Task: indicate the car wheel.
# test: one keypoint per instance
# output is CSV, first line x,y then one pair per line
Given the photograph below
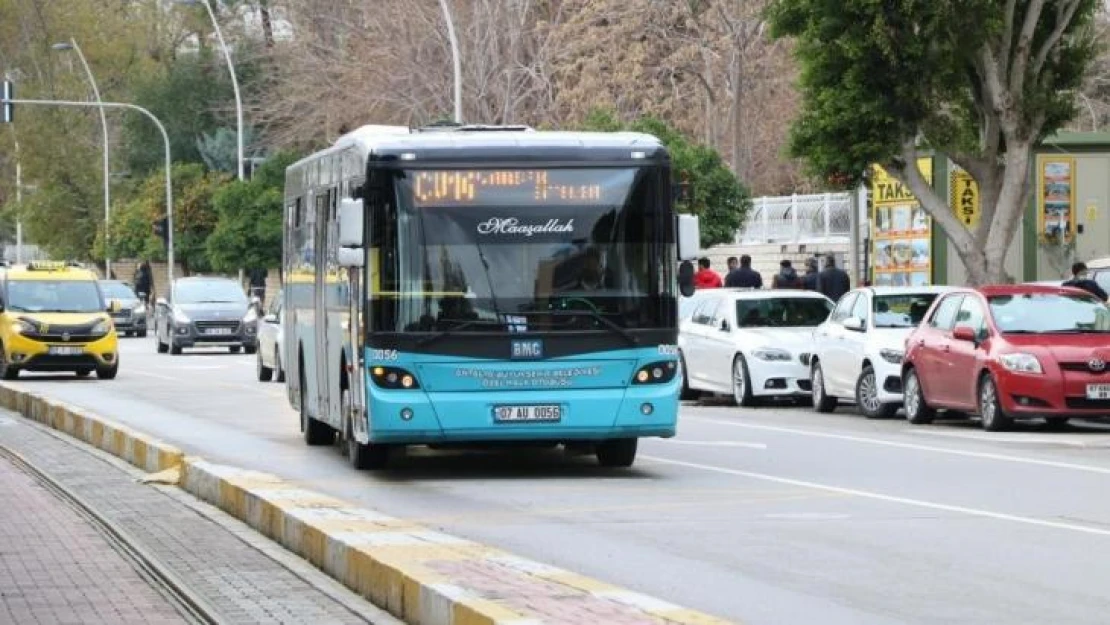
x,y
175,349
316,433
913,399
1056,423
83,373
687,392
822,401
741,383
250,349
277,366
361,456
867,396
264,373
141,334
109,372
161,347
128,334
990,408
617,453
235,349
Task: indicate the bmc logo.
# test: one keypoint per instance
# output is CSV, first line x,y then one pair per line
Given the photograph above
x,y
529,350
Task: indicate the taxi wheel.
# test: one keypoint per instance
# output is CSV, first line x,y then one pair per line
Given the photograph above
x,y
7,371
82,373
107,373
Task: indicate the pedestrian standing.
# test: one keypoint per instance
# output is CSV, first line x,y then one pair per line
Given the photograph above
x,y
833,282
258,284
706,278
811,280
744,277
787,277
144,282
733,265
1081,280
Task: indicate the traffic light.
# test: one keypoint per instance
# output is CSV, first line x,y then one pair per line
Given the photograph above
x,y
161,230
7,115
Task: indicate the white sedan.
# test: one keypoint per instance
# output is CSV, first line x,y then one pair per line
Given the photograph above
x,y
271,344
857,353
751,344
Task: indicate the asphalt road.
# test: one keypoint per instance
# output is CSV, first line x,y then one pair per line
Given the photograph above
x,y
768,515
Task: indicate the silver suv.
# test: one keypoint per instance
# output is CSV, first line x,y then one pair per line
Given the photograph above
x,y
206,312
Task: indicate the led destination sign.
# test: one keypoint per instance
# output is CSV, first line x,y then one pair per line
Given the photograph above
x,y
519,187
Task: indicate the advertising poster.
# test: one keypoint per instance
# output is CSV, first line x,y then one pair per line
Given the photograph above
x,y
901,231
1056,197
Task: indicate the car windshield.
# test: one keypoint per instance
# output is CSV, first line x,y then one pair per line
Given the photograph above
x,y
208,292
117,290
1049,313
782,312
904,310
73,296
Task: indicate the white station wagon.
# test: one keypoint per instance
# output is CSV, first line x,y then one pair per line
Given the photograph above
x,y
751,344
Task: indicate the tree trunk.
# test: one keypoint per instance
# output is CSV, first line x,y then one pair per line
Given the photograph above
x,y
267,23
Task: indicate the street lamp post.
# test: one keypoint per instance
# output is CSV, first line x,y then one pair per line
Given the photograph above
x,y
234,80
72,45
456,61
165,142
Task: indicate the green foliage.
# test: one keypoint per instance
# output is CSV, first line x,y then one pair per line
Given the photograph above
x,y
719,199
194,218
249,231
877,74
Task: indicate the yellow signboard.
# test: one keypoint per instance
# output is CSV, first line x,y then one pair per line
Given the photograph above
x,y
963,198
901,231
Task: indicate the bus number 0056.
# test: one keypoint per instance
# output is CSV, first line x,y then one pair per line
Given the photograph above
x,y
383,354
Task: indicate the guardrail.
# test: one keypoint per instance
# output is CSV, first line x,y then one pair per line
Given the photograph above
x,y
821,217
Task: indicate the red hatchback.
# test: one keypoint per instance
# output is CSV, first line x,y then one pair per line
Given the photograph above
x,y
1010,352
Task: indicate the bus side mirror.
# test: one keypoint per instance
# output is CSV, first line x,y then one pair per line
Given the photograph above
x,y
350,256
350,222
686,278
689,237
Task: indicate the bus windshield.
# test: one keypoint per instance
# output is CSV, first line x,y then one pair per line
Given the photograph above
x,y
481,248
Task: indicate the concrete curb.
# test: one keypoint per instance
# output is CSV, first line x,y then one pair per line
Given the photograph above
x,y
419,575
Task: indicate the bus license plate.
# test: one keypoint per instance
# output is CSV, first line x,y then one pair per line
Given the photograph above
x,y
65,350
1098,391
511,414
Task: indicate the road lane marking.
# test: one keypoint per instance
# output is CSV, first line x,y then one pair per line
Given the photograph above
x,y
675,441
919,503
1096,440
940,450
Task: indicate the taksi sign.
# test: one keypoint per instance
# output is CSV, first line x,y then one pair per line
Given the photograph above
x,y
963,198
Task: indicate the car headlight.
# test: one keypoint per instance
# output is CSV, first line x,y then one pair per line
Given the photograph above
x,y
1021,362
893,356
771,354
23,327
102,327
179,316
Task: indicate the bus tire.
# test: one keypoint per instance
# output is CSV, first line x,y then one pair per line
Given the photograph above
x,y
316,433
361,456
620,452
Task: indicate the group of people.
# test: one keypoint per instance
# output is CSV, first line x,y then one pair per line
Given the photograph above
x,y
832,281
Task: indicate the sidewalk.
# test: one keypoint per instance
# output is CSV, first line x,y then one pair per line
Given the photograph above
x,y
57,567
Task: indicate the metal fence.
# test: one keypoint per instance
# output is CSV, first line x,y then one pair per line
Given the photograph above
x,y
818,218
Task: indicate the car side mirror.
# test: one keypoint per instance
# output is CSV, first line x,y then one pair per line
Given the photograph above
x,y
724,326
854,324
965,333
686,278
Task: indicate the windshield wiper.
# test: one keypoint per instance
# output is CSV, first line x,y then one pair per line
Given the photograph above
x,y
616,329
463,324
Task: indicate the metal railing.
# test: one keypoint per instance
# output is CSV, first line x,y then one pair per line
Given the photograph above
x,y
817,218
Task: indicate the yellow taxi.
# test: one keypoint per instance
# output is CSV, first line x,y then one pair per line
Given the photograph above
x,y
54,317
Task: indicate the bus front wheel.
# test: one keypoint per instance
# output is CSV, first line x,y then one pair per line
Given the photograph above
x,y
617,453
361,456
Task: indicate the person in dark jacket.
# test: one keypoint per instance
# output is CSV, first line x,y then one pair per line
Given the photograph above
x,y
810,280
787,277
258,283
744,277
144,282
1080,280
833,282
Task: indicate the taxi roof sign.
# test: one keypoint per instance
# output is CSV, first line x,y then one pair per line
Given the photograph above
x,y
52,265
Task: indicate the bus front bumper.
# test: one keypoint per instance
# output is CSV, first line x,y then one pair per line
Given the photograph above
x,y
418,417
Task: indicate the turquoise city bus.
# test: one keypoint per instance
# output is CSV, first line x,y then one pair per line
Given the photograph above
x,y
484,285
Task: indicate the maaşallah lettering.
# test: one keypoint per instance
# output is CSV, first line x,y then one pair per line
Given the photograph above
x,y
512,225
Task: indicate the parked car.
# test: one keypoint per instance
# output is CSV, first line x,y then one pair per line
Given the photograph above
x,y
205,312
271,343
751,344
130,319
1010,352
857,352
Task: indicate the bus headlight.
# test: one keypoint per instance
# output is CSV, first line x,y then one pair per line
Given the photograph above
x,y
393,377
656,372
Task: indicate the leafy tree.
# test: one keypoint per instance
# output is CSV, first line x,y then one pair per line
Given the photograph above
x,y
719,199
194,218
981,81
249,228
